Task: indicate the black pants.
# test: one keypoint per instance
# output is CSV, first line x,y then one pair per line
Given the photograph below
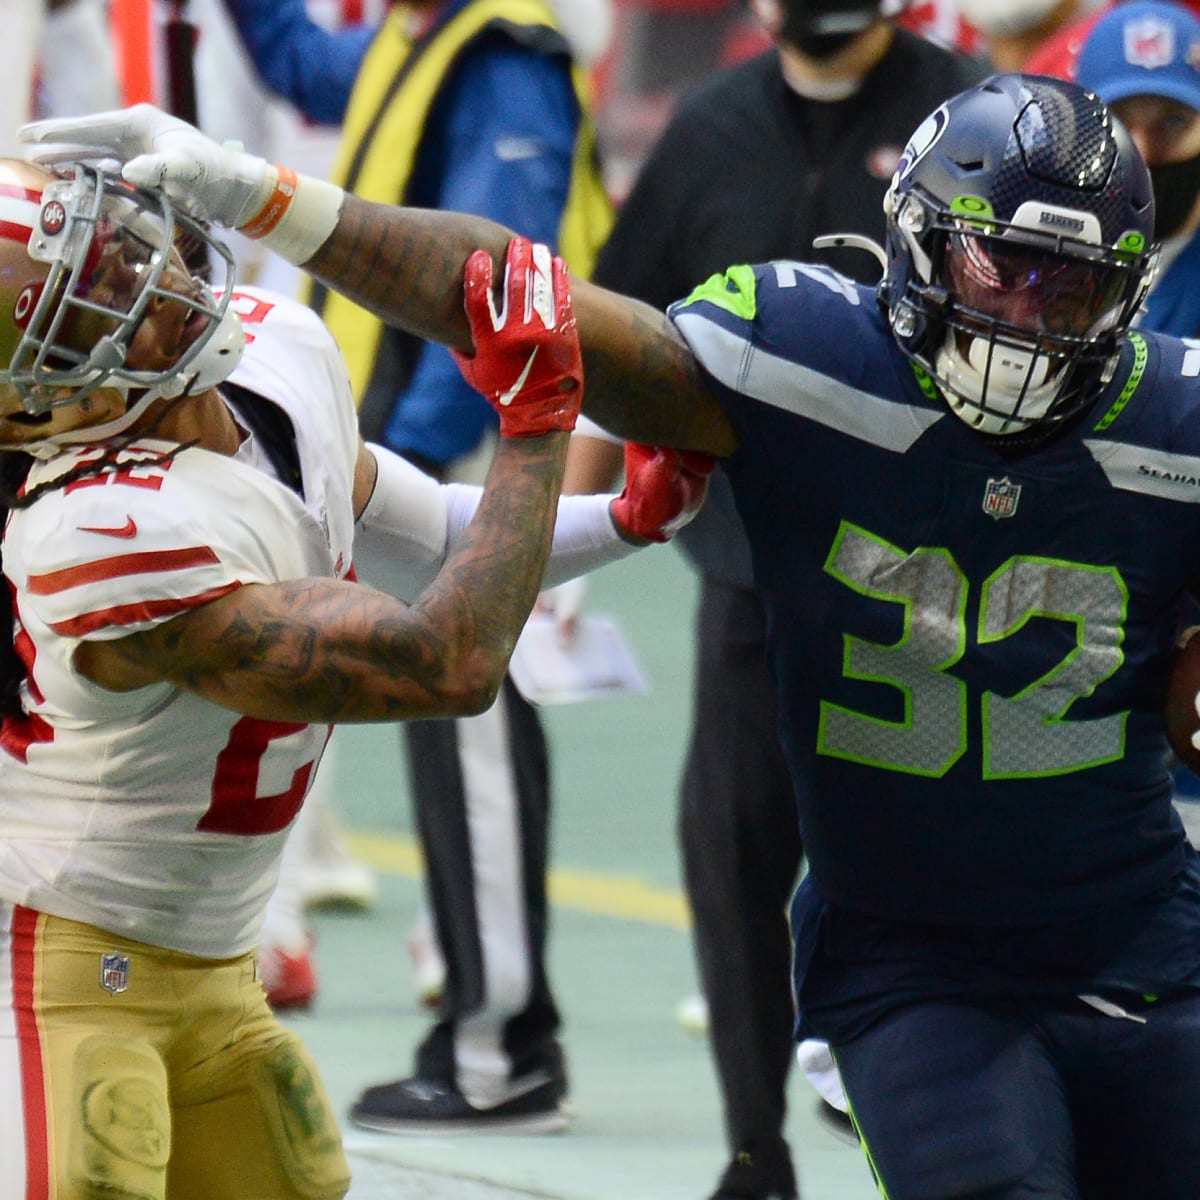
x,y
482,794
1030,1101
742,855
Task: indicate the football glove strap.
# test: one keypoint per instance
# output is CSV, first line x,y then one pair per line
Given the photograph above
x,y
664,490
527,361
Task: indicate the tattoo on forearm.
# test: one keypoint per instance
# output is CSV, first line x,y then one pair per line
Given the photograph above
x,y
390,262
327,650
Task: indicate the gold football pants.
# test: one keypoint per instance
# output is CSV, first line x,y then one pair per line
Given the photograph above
x,y
134,1073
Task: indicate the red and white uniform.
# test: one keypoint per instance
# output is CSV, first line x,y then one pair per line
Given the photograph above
x,y
154,813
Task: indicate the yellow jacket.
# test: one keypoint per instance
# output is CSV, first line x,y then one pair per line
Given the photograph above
x,y
396,86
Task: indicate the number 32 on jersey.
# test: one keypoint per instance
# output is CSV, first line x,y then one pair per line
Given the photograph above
x,y
1025,735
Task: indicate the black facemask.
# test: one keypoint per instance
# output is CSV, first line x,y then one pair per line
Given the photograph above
x,y
1176,186
820,45
821,28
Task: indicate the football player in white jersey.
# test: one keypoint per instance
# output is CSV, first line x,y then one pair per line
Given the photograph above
x,y
184,486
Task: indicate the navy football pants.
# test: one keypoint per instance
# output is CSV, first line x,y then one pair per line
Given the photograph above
x,y
1059,1103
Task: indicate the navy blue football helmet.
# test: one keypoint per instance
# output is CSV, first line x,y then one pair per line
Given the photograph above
x,y
1019,247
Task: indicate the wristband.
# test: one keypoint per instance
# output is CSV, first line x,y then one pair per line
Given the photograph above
x,y
297,217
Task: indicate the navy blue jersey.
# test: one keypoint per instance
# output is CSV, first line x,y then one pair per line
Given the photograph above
x,y
970,645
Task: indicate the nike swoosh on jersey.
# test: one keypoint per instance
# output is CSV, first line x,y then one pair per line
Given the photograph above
x,y
506,398
128,530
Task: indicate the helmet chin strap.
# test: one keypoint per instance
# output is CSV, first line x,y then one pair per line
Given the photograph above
x,y
96,433
1015,376
213,365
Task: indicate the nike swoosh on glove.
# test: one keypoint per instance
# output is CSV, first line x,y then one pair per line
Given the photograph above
x,y
527,361
664,489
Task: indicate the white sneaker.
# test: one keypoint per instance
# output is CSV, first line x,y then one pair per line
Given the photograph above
x,y
692,1015
319,866
330,875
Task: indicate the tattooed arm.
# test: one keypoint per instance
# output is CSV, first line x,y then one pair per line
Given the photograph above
x,y
643,383
403,264
328,650
324,650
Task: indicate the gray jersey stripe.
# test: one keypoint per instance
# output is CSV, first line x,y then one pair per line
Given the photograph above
x,y
1151,472
801,390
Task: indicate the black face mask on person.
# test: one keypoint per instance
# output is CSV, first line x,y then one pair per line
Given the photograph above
x,y
1176,187
819,45
817,28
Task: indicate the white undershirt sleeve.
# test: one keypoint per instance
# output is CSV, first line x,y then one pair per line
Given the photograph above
x,y
400,537
411,523
585,537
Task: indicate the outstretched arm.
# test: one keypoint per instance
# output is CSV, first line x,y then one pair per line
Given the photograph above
x,y
327,650
405,265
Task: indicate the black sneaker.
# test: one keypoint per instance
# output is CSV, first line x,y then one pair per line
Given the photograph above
x,y
751,1177
431,1106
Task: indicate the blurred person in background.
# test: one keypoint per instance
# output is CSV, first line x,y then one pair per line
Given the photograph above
x,y
759,161
1143,60
56,59
476,105
1011,30
1058,54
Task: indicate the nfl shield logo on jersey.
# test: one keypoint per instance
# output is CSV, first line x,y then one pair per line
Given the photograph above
x,y
114,973
1000,497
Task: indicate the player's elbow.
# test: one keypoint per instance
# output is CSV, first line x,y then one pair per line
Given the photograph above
x,y
473,685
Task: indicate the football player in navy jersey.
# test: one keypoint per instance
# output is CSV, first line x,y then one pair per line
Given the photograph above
x,y
972,499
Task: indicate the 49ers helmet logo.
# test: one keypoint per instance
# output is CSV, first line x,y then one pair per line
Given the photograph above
x,y
53,217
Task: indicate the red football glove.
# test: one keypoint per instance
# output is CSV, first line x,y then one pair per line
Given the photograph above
x,y
527,361
664,489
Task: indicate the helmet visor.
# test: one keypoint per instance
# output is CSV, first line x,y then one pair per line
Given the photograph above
x,y
1034,291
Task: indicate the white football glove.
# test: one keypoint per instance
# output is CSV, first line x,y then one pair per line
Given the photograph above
x,y
218,183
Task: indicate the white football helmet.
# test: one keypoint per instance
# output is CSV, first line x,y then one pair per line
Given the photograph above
x,y
99,314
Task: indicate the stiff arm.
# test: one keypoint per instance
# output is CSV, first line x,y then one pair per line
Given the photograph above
x,y
643,383
405,265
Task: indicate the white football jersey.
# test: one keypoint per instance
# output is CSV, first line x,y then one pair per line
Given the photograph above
x,y
153,812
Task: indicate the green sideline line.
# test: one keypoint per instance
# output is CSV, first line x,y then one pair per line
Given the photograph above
x,y
623,897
